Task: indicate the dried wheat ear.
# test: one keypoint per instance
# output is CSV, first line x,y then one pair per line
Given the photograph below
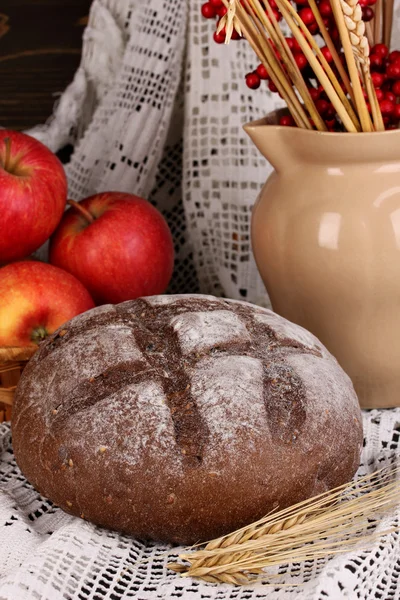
x,y
334,522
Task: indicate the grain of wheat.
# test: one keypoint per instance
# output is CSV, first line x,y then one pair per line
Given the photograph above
x,y
254,532
356,27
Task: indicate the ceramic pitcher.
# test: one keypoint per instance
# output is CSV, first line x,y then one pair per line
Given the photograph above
x,y
326,239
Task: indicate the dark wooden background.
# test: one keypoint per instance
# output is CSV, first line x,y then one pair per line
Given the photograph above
x,y
40,45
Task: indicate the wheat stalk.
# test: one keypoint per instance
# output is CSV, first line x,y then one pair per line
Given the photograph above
x,y
261,44
387,21
332,49
369,33
256,31
360,46
377,22
268,20
348,17
330,523
260,28
309,47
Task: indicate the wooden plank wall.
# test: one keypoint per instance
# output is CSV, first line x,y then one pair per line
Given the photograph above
x,y
40,45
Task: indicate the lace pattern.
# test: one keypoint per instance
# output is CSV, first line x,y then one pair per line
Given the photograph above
x,y
47,554
156,108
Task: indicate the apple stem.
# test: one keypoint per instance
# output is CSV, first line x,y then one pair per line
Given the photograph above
x,y
39,334
83,211
7,159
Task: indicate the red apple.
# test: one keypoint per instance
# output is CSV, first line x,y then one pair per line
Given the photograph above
x,y
36,299
118,245
33,194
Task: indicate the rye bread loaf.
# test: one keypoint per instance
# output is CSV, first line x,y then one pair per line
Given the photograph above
x,y
181,418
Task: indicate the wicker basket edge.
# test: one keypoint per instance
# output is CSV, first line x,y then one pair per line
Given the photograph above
x,y
13,353
12,363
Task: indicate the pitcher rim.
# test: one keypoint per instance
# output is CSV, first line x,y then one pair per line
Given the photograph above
x,y
300,131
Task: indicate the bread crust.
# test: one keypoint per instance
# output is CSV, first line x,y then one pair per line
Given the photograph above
x,y
181,418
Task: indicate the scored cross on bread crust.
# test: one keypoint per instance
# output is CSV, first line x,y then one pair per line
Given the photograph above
x,y
183,417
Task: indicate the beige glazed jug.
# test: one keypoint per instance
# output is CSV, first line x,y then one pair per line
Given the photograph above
x,y
326,238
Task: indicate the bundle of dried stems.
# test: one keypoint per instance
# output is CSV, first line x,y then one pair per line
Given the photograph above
x,y
255,20
333,522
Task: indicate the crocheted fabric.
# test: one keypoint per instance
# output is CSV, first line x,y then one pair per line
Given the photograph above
x,y
48,555
156,108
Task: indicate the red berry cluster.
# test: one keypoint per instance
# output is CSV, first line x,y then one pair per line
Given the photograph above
x,y
215,9
385,74
385,66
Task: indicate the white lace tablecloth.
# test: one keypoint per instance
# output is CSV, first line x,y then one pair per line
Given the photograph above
x,y
156,108
46,554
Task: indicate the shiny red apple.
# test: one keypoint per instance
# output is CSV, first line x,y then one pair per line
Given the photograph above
x,y
118,245
33,194
36,299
